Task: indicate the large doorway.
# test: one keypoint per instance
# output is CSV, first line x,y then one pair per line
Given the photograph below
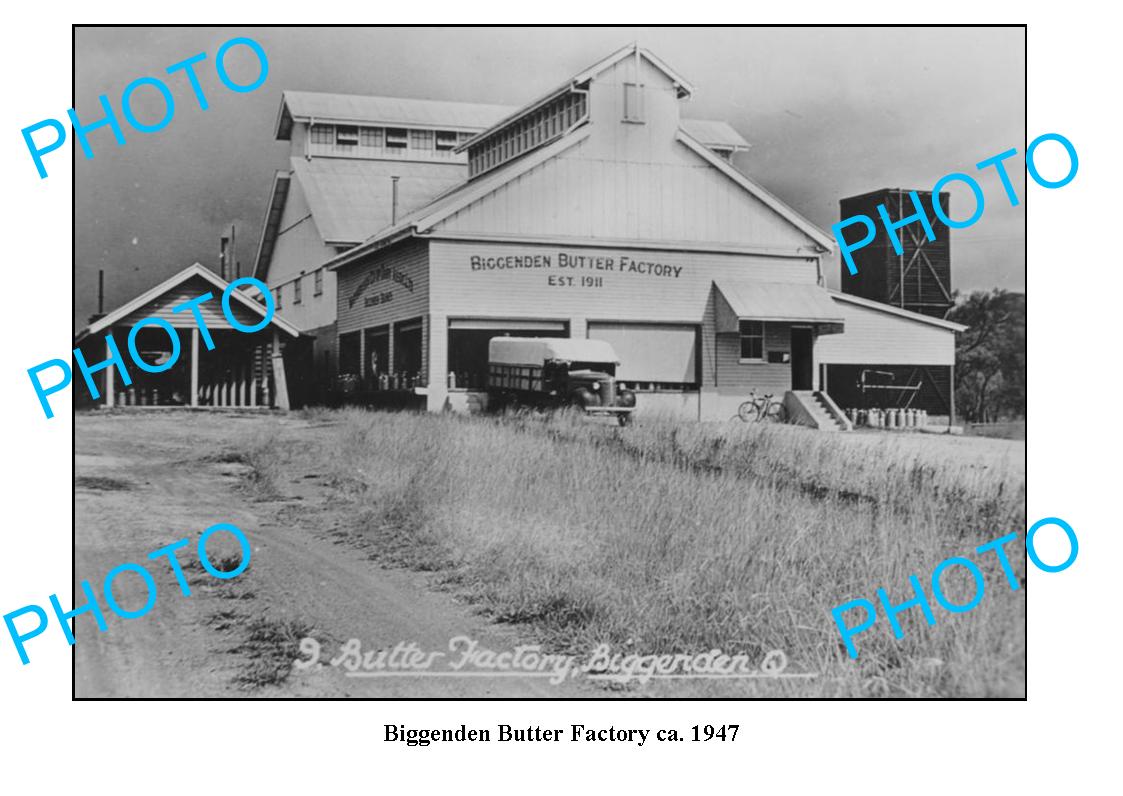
x,y
407,352
376,344
468,343
653,356
802,370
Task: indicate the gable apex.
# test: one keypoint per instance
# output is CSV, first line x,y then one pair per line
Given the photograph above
x,y
683,88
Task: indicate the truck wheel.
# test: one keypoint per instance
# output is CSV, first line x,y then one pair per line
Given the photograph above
x,y
624,419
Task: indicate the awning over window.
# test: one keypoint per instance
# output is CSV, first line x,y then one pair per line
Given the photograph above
x,y
775,302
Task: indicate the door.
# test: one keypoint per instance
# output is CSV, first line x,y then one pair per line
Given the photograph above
x,y
652,352
801,359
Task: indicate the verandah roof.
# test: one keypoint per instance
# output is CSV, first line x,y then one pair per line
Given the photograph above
x,y
746,299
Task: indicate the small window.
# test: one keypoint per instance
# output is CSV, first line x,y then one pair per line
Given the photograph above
x,y
445,141
297,289
278,291
370,136
462,137
346,135
421,139
633,102
318,282
752,339
323,133
396,138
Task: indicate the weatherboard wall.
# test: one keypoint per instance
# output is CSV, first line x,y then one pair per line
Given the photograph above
x,y
299,248
625,287
880,337
613,293
401,270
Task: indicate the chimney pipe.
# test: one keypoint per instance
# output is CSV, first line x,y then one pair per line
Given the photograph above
x,y
100,291
234,253
393,201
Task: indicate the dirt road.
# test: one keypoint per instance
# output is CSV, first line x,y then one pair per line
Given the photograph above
x,y
143,481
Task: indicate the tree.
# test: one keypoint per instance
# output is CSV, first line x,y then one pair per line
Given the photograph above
x,y
990,356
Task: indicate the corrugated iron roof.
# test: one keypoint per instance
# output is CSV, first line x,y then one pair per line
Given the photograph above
x,y
713,133
838,295
462,194
779,301
401,111
194,270
351,199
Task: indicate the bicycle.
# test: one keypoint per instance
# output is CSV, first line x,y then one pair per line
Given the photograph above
x,y
763,407
776,412
750,410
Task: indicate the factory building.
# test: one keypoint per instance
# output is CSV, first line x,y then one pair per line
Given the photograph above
x,y
355,164
406,234
598,211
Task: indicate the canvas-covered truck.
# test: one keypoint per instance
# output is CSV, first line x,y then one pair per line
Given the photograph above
x,y
557,372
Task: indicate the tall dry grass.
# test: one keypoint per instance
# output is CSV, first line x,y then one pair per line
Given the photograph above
x,y
666,537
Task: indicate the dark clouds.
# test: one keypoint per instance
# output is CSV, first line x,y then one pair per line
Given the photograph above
x,y
830,112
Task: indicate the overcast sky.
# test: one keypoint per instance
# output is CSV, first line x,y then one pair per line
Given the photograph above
x,y
829,112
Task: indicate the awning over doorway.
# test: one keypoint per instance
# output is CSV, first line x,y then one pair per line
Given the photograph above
x,y
775,302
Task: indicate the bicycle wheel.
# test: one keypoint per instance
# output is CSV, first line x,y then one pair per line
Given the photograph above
x,y
778,413
748,411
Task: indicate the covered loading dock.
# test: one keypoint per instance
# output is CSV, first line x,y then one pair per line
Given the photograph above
x,y
243,370
890,351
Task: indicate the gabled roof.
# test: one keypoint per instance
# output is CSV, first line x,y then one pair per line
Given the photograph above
x,y
714,134
682,87
812,231
424,218
898,311
352,199
392,111
458,198
169,284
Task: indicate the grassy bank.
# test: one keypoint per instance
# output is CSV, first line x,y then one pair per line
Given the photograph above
x,y
667,537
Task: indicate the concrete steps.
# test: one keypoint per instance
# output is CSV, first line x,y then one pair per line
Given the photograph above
x,y
816,410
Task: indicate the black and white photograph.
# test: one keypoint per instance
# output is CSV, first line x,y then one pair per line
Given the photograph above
x,y
495,397
550,363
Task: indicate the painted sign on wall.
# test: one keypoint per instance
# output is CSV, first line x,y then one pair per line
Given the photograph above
x,y
566,261
381,274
